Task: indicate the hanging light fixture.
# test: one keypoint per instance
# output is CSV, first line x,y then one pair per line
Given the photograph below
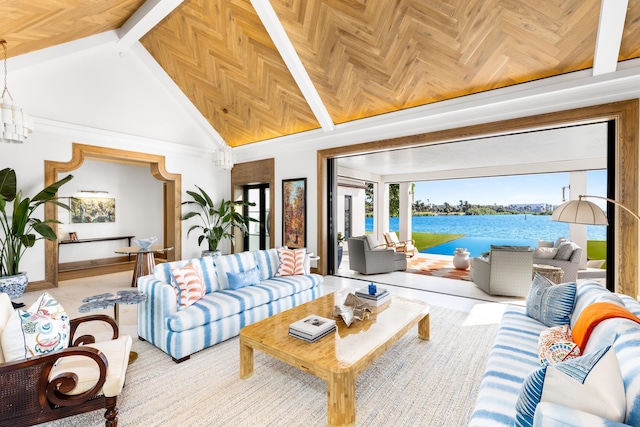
x,y
15,124
224,157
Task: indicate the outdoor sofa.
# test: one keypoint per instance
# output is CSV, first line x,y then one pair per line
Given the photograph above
x,y
220,314
517,390
563,253
506,271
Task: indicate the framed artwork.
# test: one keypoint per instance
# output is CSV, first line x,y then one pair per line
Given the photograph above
x,y
294,213
92,209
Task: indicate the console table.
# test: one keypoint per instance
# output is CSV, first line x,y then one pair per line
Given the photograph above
x,y
96,239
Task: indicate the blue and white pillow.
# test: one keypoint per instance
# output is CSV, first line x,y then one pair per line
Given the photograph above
x,y
549,303
245,278
591,383
235,263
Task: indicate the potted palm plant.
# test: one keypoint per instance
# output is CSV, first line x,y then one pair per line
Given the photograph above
x,y
216,222
20,230
340,239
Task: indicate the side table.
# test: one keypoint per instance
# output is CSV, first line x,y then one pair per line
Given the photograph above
x,y
144,260
102,301
549,271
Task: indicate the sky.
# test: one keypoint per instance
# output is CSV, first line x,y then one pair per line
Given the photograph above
x,y
521,189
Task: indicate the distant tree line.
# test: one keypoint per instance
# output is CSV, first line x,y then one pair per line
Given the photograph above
x,y
462,208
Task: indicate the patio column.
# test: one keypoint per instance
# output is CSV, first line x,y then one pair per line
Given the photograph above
x,y
578,232
405,211
382,211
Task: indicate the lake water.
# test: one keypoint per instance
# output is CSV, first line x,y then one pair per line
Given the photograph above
x,y
482,231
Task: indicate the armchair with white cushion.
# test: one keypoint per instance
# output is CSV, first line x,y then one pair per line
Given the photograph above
x,y
51,383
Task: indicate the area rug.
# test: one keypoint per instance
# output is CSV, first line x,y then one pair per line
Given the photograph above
x,y
415,383
438,267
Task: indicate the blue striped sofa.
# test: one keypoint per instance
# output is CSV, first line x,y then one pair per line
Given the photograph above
x,y
515,355
222,312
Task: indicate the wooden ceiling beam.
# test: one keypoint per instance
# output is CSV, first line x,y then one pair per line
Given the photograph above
x,y
282,42
144,19
610,27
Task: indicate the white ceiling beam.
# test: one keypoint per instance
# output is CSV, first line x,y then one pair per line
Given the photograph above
x,y
610,27
144,19
292,60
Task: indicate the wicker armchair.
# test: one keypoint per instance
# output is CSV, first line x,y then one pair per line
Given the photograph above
x,y
507,272
85,377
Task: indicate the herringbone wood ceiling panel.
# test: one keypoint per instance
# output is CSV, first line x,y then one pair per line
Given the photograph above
x,y
220,55
31,25
373,57
630,46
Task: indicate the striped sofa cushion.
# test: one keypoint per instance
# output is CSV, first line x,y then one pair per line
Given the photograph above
x,y
589,292
513,356
235,263
225,303
268,263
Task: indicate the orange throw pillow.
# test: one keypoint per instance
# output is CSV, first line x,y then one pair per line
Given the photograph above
x,y
594,314
291,261
190,286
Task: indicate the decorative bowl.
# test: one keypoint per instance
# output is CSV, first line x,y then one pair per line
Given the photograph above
x,y
145,244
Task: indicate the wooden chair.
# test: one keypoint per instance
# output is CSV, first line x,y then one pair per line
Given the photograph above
x,y
84,377
406,246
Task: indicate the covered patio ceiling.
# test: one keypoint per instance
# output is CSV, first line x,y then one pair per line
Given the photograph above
x,y
543,151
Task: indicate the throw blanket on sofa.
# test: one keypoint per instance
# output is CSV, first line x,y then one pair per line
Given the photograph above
x,y
594,314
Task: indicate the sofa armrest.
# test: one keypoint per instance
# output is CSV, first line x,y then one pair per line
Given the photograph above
x,y
554,415
161,303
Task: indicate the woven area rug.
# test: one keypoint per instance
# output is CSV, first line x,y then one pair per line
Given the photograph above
x,y
438,267
415,383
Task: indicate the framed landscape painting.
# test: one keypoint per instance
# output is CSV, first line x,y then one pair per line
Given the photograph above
x,y
294,213
92,209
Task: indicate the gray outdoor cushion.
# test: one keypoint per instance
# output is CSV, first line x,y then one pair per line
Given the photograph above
x,y
565,250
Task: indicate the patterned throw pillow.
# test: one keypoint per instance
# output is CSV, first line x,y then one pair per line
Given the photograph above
x,y
41,329
188,284
556,345
549,303
245,278
291,261
591,383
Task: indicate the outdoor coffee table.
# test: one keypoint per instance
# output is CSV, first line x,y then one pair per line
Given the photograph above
x,y
342,355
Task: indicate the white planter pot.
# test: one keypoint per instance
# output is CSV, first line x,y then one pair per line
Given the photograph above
x,y
14,286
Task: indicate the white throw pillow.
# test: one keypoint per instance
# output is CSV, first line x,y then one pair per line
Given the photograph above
x,y
545,244
372,241
545,252
591,383
41,329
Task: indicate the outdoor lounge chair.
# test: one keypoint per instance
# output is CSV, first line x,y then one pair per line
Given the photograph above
x,y
406,246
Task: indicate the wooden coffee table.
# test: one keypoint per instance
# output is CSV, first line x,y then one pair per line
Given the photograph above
x,y
342,355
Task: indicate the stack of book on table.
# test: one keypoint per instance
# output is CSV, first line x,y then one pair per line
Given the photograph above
x,y
312,328
380,297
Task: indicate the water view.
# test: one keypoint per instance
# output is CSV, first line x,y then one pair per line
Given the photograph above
x,y
482,231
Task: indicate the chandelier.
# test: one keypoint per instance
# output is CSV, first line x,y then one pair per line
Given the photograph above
x,y
15,124
223,158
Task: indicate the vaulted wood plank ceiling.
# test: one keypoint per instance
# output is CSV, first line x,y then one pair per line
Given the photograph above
x,y
362,58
